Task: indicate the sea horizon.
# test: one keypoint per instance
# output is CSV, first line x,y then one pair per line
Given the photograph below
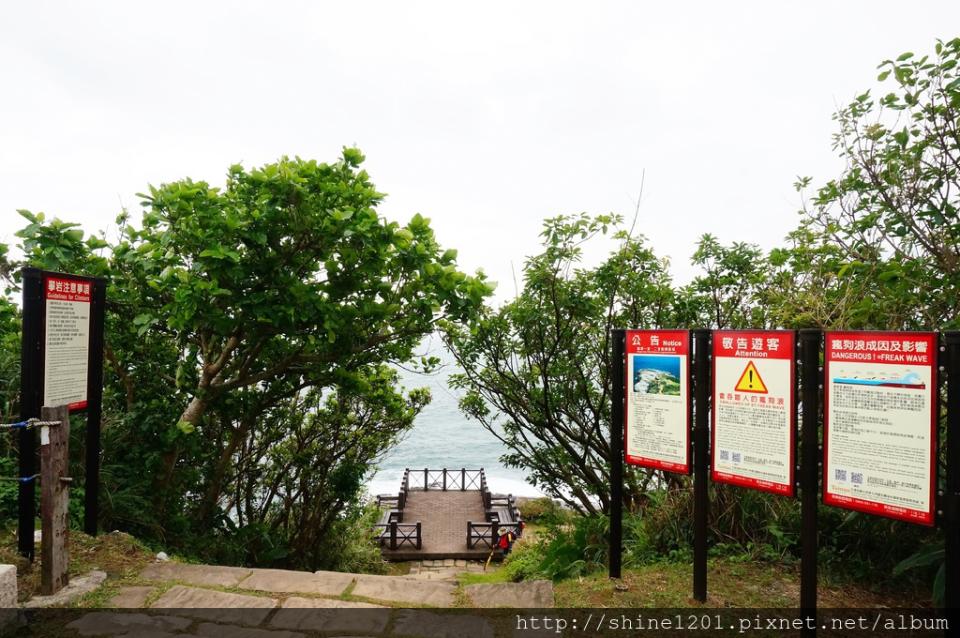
x,y
442,437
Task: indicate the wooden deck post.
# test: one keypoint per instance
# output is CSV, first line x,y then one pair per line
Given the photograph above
x,y
419,542
444,479
463,479
54,500
393,534
426,479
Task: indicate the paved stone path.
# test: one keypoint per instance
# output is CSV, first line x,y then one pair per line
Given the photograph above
x,y
271,603
443,517
537,594
443,568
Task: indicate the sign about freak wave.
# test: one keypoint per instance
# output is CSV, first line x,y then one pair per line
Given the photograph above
x,y
66,342
754,419
657,428
880,423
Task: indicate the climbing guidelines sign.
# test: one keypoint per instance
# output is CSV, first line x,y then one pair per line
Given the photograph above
x,y
754,415
657,415
880,423
66,342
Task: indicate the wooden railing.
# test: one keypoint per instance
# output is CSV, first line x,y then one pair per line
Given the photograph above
x,y
481,535
391,501
394,534
445,480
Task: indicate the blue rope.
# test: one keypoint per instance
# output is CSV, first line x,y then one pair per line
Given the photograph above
x,y
29,423
20,479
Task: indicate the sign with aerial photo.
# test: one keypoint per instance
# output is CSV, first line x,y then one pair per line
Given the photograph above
x,y
754,418
880,423
66,343
657,428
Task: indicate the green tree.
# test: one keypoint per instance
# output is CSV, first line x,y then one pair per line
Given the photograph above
x,y
536,371
248,332
730,291
893,212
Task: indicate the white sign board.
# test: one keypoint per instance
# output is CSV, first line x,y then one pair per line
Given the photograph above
x,y
754,419
66,343
657,428
880,423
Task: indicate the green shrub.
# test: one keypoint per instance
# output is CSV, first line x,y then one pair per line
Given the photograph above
x,y
576,549
352,547
543,509
8,491
523,563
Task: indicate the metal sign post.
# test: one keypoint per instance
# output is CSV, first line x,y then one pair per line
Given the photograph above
x,y
701,460
617,372
951,500
31,381
809,472
91,503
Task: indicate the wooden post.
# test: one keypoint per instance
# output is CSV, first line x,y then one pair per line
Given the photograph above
x,y
419,535
393,534
444,479
463,479
54,500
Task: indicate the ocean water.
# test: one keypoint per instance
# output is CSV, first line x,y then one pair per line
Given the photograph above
x,y
443,437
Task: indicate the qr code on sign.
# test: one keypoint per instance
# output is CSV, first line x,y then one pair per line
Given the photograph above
x,y
840,475
736,457
856,477
724,455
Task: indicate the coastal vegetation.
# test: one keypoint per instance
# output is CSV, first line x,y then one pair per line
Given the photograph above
x,y
253,330
877,247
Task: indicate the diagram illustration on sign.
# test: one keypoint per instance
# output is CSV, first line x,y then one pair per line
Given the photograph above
x,y
657,416
880,421
750,380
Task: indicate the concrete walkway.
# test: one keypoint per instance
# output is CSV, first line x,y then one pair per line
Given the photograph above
x,y
190,600
433,584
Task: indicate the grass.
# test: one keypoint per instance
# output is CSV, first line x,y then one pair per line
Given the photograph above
x,y
730,583
120,555
494,574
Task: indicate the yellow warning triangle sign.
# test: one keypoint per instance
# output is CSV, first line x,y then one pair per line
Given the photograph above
x,y
750,380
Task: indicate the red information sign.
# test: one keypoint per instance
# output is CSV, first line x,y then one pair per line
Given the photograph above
x,y
657,415
880,423
66,343
754,419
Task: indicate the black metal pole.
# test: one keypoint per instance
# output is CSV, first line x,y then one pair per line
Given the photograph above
x,y
91,506
701,459
617,380
809,473
951,500
31,397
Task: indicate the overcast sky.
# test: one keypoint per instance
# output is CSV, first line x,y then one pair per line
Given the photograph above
x,y
485,117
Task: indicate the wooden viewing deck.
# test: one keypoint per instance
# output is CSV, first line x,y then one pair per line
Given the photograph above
x,y
448,513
